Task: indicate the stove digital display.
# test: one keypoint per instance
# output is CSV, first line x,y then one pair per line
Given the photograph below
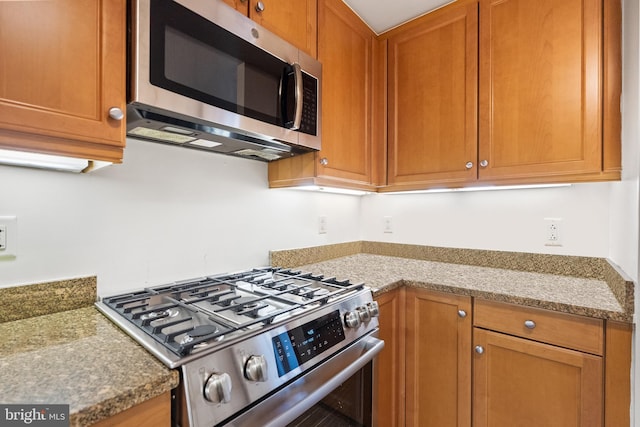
x,y
297,346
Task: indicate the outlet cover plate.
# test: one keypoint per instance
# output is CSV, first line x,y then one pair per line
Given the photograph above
x,y
9,240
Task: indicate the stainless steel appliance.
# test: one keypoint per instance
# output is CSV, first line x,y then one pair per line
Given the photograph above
x,y
267,346
203,76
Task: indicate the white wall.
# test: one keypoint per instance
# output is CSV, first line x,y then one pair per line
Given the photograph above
x,y
506,220
166,213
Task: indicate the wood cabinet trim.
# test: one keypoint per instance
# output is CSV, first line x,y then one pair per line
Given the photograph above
x,y
617,386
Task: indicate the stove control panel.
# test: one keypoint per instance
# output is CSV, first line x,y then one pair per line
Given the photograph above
x,y
296,346
361,314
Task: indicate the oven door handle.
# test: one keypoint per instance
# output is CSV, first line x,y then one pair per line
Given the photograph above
x,y
302,394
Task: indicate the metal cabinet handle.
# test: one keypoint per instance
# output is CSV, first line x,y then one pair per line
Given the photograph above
x,y
530,324
479,349
462,313
116,113
259,7
469,165
324,161
484,163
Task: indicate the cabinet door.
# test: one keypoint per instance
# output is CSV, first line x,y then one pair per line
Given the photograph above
x,y
518,382
62,68
293,20
438,359
432,65
345,48
540,88
389,365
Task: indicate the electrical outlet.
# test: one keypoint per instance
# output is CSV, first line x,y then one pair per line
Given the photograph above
x,y
3,238
387,224
322,224
8,236
553,231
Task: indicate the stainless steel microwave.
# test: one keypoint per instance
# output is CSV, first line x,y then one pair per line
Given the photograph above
x,y
204,76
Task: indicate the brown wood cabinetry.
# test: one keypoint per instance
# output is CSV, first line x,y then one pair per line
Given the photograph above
x,y
62,69
155,412
541,80
389,376
438,359
530,366
293,20
544,99
432,105
521,381
346,49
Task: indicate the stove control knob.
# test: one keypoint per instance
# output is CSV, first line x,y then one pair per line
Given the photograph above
x,y
218,388
363,314
256,369
351,319
374,311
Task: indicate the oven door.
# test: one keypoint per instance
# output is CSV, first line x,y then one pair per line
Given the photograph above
x,y
338,392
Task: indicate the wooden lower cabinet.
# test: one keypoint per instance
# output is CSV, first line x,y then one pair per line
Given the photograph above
x,y
388,404
520,382
438,359
448,363
155,412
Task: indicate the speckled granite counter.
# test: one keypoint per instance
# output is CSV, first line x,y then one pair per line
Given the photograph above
x,y
76,357
586,286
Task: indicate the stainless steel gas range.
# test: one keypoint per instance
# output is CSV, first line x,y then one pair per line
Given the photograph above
x,y
267,346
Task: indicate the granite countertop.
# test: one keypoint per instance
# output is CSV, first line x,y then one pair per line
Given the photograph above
x,y
80,358
589,287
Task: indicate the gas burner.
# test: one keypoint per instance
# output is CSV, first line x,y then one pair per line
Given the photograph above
x,y
160,314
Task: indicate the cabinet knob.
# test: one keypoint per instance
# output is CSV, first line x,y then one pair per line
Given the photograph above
x,y
469,165
259,7
116,114
479,349
530,324
484,163
324,161
462,313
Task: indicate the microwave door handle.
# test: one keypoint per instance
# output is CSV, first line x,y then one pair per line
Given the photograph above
x,y
297,120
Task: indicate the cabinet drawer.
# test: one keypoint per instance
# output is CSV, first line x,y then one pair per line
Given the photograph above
x,y
565,330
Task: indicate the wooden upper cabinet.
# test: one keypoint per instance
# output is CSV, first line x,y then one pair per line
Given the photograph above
x,y
293,20
541,89
432,105
62,69
517,92
346,49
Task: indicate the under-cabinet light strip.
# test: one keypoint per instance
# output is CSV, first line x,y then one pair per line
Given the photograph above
x,y
47,161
